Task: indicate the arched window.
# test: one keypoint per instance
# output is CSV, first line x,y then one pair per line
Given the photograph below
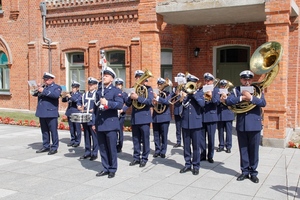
x,y
4,73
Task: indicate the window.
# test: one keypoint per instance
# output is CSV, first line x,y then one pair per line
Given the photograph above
x,y
4,73
234,55
0,4
76,70
116,60
167,65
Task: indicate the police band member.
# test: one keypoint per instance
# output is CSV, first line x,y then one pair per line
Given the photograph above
x,y
108,102
161,119
86,105
225,116
210,118
248,126
47,112
177,111
73,99
119,84
140,123
191,127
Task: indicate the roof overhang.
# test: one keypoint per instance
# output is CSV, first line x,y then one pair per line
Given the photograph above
x,y
208,12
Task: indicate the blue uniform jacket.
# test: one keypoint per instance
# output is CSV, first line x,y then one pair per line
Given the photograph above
x,y
251,120
48,100
125,108
224,113
210,108
107,119
142,116
88,97
72,103
177,105
192,110
166,115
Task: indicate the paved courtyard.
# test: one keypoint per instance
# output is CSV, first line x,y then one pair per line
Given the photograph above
x,y
27,175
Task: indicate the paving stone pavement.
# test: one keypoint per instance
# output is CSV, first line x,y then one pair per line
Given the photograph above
x,y
27,175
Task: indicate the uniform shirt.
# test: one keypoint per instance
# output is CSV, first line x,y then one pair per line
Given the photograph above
x,y
165,116
224,113
192,110
107,118
142,116
72,103
125,108
48,100
251,120
210,108
87,101
177,105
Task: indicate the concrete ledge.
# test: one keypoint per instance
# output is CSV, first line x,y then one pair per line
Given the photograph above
x,y
278,143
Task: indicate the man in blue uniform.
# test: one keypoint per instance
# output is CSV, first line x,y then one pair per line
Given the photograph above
x,y
226,116
161,119
178,111
86,105
108,101
210,118
73,99
140,123
248,126
119,84
47,111
191,127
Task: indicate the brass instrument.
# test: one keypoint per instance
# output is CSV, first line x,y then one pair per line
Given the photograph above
x,y
141,90
228,86
208,97
64,94
158,107
265,60
174,99
190,87
36,92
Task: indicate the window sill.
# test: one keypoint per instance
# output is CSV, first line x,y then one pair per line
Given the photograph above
x,y
1,12
5,93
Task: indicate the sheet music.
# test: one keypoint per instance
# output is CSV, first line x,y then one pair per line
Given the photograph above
x,y
208,88
180,80
225,91
250,89
32,83
128,90
63,88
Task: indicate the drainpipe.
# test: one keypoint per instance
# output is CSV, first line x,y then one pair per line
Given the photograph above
x,y
46,40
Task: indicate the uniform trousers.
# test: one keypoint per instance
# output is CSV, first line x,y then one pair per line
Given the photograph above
x,y
249,146
121,133
90,141
108,150
49,127
141,134
160,132
209,129
75,131
225,126
178,128
191,136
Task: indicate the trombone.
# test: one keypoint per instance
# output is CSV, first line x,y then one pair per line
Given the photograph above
x,y
178,91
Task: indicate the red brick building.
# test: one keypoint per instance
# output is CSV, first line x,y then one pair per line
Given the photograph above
x,y
157,35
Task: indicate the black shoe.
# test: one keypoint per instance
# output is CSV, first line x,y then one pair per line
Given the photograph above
x,y
155,155
220,149
119,150
84,157
202,159
134,162
51,152
75,145
93,158
70,144
254,179
195,171
210,160
228,151
185,169
242,177
162,155
42,150
102,173
111,175
142,164
177,145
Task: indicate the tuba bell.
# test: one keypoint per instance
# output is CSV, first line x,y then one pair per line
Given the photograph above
x,y
265,60
141,90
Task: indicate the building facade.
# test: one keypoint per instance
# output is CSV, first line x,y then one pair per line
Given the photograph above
x,y
65,36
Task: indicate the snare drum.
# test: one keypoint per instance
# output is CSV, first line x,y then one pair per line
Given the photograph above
x,y
81,117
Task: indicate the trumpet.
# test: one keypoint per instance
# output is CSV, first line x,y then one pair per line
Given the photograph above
x,y
178,91
36,92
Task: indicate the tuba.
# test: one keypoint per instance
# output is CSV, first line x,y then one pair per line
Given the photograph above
x,y
141,90
158,107
265,60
